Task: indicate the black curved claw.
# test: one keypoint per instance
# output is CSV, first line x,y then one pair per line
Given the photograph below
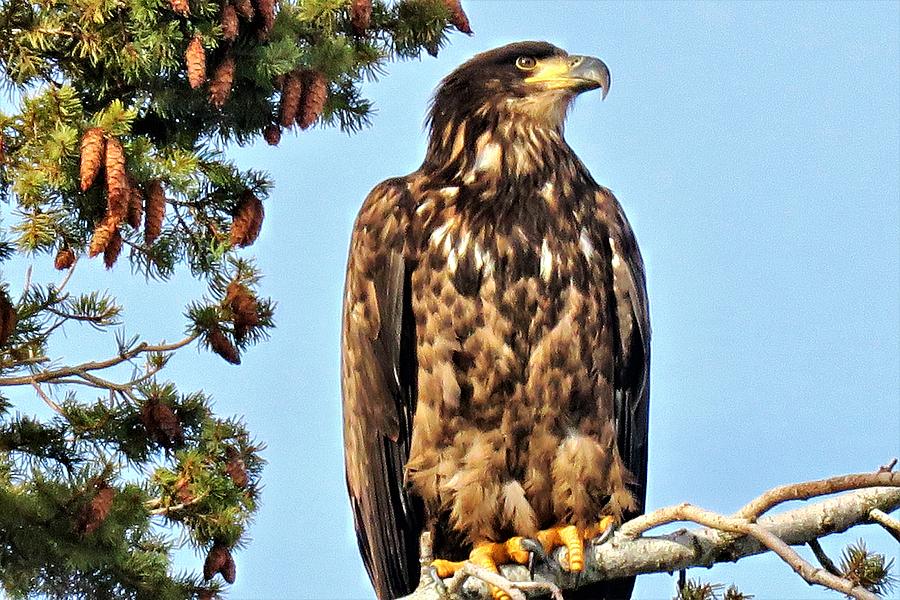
x,y
535,548
439,586
605,536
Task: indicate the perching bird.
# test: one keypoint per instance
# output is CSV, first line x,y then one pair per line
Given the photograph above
x,y
496,336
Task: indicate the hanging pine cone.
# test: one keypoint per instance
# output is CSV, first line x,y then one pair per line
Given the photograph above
x,y
155,209
222,346
8,318
216,558
135,204
195,59
95,512
117,195
235,468
266,9
247,221
245,9
229,570
229,23
291,91
458,16
272,134
315,92
220,86
181,7
92,155
242,304
161,423
360,15
113,249
103,233
65,258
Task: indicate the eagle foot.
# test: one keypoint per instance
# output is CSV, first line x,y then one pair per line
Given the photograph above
x,y
489,555
572,538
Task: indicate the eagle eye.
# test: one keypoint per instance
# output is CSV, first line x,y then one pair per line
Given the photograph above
x,y
526,63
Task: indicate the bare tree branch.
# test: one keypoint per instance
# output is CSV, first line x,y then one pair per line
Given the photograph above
x,y
50,375
722,539
891,525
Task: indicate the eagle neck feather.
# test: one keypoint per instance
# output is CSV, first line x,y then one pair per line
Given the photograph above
x,y
486,146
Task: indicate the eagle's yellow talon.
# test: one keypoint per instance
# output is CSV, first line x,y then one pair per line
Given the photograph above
x,y
516,550
601,527
446,568
487,555
573,539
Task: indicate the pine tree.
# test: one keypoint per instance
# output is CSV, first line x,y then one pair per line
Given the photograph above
x,y
113,149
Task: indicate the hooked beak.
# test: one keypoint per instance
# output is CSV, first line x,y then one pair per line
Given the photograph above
x,y
576,73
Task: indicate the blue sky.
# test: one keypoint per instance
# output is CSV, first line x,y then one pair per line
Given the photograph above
x,y
756,150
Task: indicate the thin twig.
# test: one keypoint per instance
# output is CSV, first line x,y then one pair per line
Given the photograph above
x,y
823,559
888,467
65,281
79,370
164,510
27,285
56,407
811,489
891,525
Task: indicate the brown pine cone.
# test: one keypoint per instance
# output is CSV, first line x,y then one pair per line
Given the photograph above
x,y
220,86
242,304
235,468
183,491
272,134
360,15
135,204
216,558
266,9
8,318
103,233
245,9
116,181
156,211
247,221
181,7
229,23
65,258
113,249
161,423
315,92
291,91
458,16
195,59
95,512
92,155
222,346
229,570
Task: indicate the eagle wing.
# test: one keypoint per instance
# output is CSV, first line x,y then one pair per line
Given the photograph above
x,y
632,384
378,364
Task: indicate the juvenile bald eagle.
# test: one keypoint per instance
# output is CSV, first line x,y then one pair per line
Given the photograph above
x,y
495,344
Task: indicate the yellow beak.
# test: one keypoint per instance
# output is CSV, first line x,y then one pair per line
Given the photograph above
x,y
576,73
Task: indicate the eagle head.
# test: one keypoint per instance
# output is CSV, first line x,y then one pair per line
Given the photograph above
x,y
519,87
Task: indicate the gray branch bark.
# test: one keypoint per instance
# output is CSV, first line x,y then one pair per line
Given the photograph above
x,y
698,547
